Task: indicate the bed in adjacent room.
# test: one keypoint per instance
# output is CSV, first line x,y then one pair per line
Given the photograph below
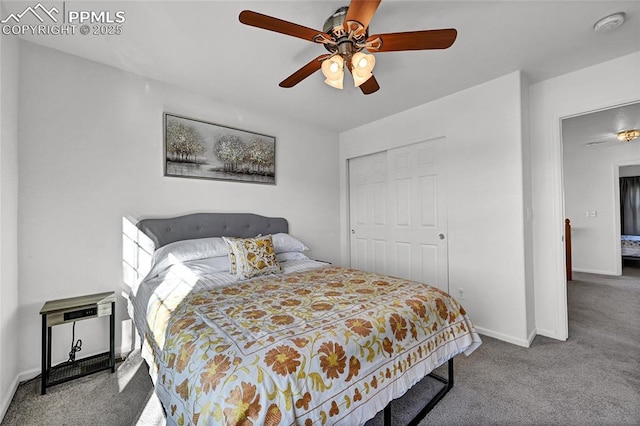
x,y
284,339
630,246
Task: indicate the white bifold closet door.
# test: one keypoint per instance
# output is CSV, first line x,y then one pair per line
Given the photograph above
x,y
398,213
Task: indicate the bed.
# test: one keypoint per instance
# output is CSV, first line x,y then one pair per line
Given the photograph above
x,y
630,246
297,342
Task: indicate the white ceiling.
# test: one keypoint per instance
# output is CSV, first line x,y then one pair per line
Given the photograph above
x,y
599,129
201,46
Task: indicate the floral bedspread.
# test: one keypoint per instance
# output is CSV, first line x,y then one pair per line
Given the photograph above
x,y
323,346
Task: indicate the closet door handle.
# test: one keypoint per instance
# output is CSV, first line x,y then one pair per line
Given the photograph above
x,y
441,236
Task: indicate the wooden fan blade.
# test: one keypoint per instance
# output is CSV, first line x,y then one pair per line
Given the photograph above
x,y
370,86
361,11
270,23
412,40
304,72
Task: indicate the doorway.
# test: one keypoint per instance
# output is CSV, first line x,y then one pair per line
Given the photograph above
x,y
591,160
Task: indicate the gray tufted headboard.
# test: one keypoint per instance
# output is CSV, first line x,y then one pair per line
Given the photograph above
x,y
204,225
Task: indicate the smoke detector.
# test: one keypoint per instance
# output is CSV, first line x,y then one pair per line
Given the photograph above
x,y
609,23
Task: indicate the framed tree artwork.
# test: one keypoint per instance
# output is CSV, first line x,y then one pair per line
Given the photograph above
x,y
199,149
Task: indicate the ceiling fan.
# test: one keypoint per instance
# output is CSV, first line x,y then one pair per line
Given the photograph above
x,y
346,35
623,136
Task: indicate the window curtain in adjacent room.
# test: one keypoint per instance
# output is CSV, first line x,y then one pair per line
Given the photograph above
x,y
630,205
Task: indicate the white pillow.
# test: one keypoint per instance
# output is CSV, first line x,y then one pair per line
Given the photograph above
x,y
209,265
186,250
284,242
291,255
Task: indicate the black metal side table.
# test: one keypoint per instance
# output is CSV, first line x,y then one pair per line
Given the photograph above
x,y
64,311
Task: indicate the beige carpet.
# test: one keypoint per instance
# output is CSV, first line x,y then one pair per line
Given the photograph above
x,y
592,379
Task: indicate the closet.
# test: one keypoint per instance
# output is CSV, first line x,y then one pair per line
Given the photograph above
x,y
398,213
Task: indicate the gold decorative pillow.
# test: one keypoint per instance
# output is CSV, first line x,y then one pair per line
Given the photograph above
x,y
253,256
232,257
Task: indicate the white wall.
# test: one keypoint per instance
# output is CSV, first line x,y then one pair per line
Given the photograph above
x,y
605,85
591,184
527,192
91,152
8,220
484,157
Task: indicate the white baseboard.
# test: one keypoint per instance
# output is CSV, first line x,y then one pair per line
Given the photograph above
x,y
550,334
6,400
595,271
505,337
34,372
28,375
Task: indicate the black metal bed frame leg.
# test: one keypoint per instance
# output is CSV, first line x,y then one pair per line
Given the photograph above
x,y
44,372
448,384
387,415
112,337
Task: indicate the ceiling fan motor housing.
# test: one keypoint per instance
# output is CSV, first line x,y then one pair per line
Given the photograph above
x,y
346,42
336,20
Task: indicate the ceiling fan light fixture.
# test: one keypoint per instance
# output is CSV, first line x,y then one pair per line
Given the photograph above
x,y
628,135
333,70
334,83
362,67
358,80
345,34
